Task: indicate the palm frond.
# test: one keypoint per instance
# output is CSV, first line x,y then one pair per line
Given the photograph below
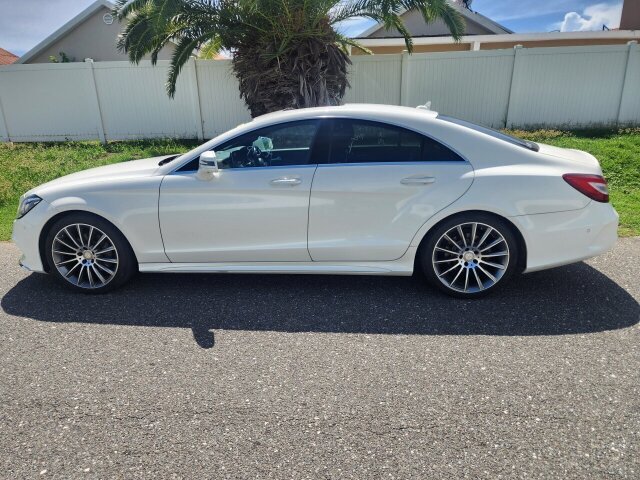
x,y
344,42
180,57
210,49
443,9
286,53
137,37
123,8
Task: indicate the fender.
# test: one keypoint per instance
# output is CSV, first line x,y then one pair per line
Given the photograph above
x,y
136,218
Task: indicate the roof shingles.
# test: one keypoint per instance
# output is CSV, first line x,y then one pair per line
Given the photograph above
x,y
7,58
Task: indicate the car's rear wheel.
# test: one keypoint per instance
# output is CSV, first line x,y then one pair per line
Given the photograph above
x,y
470,255
88,254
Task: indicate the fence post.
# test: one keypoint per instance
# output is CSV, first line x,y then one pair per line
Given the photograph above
x,y
626,81
195,99
96,104
5,127
404,78
514,80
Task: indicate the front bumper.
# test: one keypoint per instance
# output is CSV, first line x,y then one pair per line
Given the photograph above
x,y
555,239
26,235
21,262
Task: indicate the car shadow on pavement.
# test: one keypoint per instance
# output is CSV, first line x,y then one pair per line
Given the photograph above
x,y
569,300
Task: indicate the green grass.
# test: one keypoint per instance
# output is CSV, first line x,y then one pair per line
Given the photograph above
x,y
25,165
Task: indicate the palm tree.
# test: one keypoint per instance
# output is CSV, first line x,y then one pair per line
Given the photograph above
x,y
286,53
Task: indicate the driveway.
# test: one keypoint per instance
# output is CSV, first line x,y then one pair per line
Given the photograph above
x,y
246,376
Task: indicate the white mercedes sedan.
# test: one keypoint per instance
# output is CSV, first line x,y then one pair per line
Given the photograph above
x,y
354,189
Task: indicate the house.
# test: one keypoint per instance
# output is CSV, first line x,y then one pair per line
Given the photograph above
x,y
630,15
6,57
90,34
382,40
482,33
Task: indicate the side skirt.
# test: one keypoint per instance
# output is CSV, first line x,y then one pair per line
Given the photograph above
x,y
402,267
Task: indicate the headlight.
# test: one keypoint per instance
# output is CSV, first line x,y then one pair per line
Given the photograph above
x,y
27,204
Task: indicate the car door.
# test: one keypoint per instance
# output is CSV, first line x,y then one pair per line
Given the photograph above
x,y
256,207
381,183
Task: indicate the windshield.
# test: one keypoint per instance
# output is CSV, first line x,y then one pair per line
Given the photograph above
x,y
493,133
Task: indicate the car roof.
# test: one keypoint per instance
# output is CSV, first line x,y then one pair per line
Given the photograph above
x,y
368,110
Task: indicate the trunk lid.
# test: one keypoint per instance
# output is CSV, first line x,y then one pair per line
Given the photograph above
x,y
582,161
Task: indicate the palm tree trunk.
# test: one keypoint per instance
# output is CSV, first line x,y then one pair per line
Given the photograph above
x,y
312,74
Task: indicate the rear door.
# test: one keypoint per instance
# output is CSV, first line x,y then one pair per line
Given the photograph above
x,y
380,184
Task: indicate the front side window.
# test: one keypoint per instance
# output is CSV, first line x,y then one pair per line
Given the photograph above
x,y
274,146
362,141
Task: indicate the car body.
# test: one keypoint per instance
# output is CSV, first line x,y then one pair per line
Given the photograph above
x,y
352,189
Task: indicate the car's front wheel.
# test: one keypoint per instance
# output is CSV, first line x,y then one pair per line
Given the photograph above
x,y
88,254
469,255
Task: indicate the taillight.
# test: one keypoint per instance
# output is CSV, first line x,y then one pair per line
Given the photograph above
x,y
593,186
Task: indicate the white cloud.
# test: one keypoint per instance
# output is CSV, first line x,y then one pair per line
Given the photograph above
x,y
592,18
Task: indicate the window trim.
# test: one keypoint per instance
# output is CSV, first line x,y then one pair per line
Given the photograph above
x,y
322,121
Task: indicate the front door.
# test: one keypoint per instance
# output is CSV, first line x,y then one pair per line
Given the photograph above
x,y
254,210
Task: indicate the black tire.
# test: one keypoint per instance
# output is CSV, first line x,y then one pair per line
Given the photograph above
x,y
464,275
121,260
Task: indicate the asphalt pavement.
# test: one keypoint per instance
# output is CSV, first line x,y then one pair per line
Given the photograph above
x,y
285,376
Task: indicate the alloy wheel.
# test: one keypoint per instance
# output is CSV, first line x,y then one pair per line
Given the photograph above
x,y
85,256
470,257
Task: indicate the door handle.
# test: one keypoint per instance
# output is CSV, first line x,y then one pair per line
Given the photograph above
x,y
417,180
286,181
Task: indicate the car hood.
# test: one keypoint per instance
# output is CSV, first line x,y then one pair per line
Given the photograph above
x,y
108,173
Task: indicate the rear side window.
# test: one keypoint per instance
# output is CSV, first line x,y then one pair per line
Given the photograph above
x,y
493,133
362,141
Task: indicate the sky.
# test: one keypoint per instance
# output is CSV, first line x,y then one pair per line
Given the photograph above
x,y
24,23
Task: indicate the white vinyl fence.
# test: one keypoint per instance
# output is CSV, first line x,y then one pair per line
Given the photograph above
x,y
538,87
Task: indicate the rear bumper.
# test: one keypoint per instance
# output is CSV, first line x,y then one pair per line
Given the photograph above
x,y
555,239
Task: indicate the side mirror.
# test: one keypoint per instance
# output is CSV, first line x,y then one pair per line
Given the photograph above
x,y
208,165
